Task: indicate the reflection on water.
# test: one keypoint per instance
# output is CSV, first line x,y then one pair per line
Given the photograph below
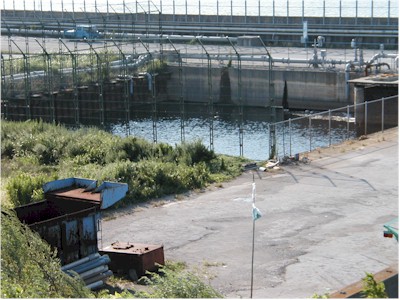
x,y
297,138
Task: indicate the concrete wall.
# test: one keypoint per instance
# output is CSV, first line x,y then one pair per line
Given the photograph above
x,y
307,88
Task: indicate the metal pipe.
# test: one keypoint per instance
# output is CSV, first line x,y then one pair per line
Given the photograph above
x,y
98,277
95,285
92,264
80,261
94,271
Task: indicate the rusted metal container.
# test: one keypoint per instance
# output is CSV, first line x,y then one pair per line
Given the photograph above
x,y
134,259
69,217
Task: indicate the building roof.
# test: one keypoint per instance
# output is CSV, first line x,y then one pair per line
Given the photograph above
x,y
383,79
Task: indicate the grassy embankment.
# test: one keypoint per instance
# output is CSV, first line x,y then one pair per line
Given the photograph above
x,y
35,152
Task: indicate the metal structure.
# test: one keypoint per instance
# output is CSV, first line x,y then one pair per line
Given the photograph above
x,y
92,269
136,36
210,94
134,259
68,219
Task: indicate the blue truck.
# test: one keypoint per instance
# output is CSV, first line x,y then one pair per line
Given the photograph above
x,y
83,32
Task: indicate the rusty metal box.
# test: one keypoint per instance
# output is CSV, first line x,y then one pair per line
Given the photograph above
x,y
131,258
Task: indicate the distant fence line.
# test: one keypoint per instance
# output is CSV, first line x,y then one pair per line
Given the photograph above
x,y
292,8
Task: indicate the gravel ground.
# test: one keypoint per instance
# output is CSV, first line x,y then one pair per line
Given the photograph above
x,y
321,226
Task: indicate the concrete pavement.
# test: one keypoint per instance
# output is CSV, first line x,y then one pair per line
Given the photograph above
x,y
321,226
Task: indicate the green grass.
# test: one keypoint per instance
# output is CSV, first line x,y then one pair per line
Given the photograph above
x,y
34,152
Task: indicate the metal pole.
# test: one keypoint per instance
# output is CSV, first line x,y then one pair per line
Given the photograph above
x,y
283,139
365,117
199,11
348,121
383,114
74,83
273,12
153,93
49,80
252,244
182,103
126,86
100,83
356,11
290,137
240,97
210,96
372,11
27,81
329,128
245,11
272,135
309,130
323,18
287,12
231,11
217,11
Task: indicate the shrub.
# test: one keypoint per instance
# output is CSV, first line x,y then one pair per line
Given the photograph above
x,y
173,283
29,268
25,188
373,289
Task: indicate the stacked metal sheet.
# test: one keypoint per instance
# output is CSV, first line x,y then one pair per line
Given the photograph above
x,y
92,269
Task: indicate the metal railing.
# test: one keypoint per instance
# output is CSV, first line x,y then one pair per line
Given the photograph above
x,y
274,8
319,130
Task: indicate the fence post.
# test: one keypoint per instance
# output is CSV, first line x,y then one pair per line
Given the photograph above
x,y
329,127
383,114
348,121
290,137
283,139
309,129
365,117
269,140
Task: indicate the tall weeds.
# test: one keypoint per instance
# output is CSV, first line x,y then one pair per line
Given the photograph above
x,y
34,152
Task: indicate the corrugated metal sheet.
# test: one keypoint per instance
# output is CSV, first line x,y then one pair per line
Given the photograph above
x,y
68,218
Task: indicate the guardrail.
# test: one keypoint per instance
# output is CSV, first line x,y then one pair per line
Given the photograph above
x,y
319,130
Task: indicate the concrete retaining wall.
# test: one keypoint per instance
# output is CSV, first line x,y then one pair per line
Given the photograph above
x,y
307,89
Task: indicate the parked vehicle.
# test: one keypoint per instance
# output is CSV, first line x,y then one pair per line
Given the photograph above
x,y
85,32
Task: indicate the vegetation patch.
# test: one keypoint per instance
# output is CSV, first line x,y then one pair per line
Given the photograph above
x,y
34,152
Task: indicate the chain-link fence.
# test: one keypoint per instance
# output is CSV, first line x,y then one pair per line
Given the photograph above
x,y
300,134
